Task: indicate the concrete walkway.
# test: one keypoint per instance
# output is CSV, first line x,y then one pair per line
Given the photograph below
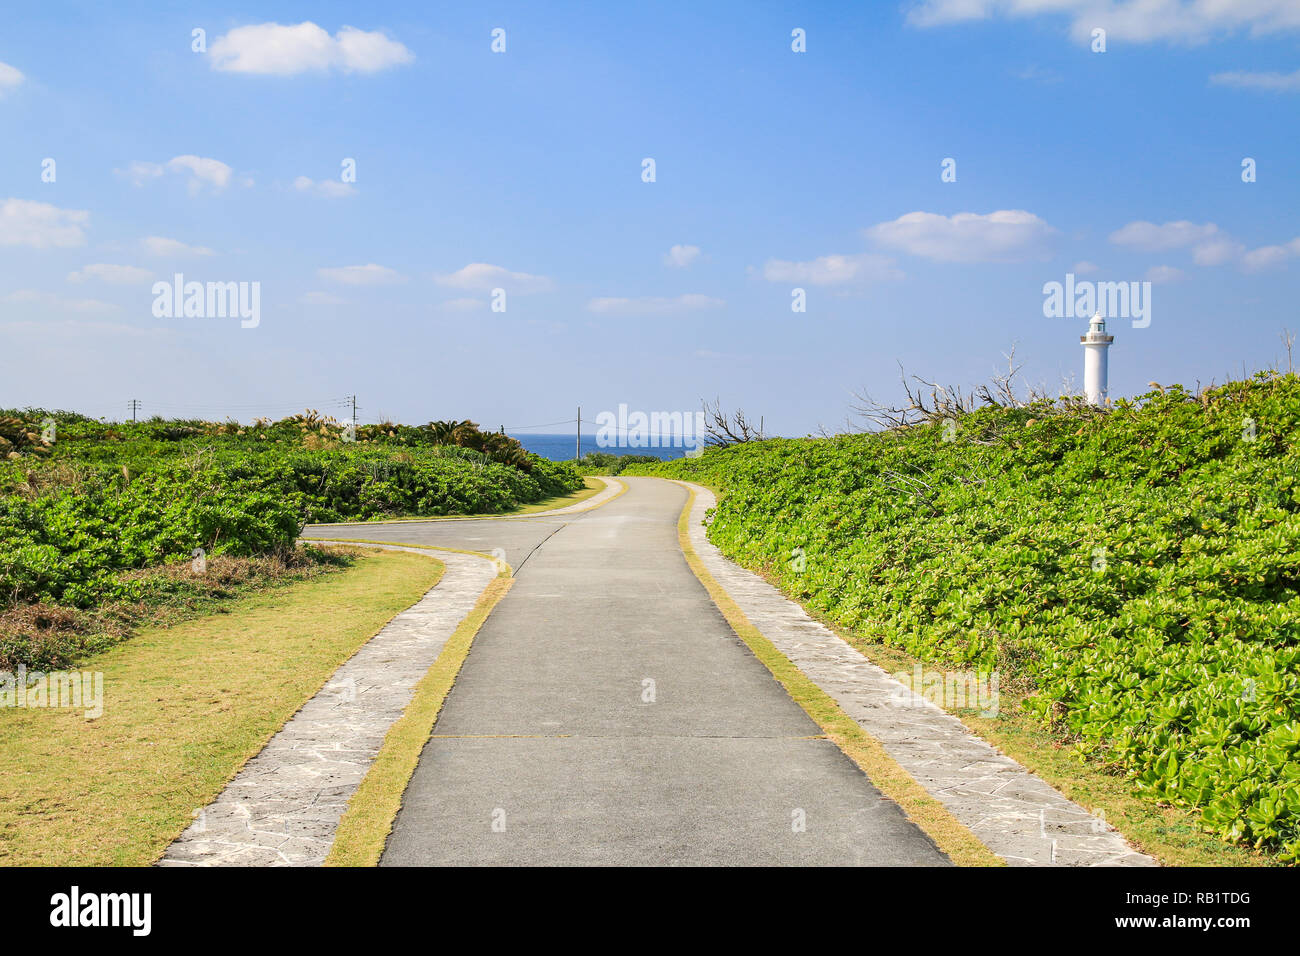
x,y
607,714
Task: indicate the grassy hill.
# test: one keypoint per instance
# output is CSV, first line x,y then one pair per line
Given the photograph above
x,y
1135,571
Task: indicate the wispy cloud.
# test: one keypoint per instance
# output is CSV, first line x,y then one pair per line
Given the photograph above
x,y
1037,74
482,276
162,246
1208,244
680,257
463,305
49,300
106,272
200,170
833,269
1266,82
1150,237
654,305
10,78
25,222
326,188
1007,235
370,274
273,48
1135,21
1159,275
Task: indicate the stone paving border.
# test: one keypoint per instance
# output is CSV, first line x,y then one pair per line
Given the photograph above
x,y
1015,814
283,807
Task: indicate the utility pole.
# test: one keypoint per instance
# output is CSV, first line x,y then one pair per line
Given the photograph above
x,y
577,441
135,405
354,411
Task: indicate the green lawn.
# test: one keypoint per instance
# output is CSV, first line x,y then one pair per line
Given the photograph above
x,y
184,708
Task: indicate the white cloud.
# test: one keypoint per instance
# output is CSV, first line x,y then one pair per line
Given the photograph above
x,y
481,275
211,171
121,275
273,48
1135,21
1209,245
1162,274
654,305
10,78
48,300
24,222
140,172
1084,268
161,246
360,275
681,256
328,188
1269,82
1217,251
1267,257
200,169
1007,235
1149,237
832,270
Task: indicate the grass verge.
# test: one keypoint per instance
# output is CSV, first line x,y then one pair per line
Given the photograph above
x,y
954,839
48,637
363,830
184,708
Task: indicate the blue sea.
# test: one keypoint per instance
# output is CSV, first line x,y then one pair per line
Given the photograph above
x,y
560,447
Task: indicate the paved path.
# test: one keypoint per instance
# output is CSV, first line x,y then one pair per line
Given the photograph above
x,y
607,714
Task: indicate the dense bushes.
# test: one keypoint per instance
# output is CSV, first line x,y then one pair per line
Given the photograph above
x,y
1139,570
103,499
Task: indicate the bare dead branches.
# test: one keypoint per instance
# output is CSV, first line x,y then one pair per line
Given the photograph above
x,y
723,428
928,402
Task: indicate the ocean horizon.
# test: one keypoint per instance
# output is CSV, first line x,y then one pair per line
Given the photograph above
x,y
561,447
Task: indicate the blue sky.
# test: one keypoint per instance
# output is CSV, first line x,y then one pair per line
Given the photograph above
x,y
522,170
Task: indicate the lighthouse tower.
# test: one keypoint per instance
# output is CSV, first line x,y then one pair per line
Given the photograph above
x,y
1095,344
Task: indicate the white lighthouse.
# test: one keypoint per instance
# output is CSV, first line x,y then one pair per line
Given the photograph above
x,y
1095,344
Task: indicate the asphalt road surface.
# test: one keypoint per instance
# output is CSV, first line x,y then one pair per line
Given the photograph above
x,y
608,715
